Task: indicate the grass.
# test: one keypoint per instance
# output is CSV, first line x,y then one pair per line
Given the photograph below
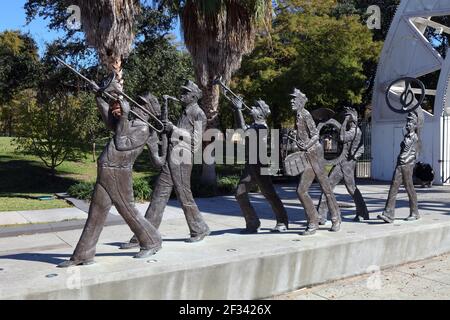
x,y
23,178
25,202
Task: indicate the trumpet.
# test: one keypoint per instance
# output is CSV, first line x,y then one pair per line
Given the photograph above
x,y
227,91
112,97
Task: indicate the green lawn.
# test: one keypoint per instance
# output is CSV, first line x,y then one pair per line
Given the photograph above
x,y
23,178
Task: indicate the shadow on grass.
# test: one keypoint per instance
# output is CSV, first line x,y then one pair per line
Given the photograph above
x,y
22,176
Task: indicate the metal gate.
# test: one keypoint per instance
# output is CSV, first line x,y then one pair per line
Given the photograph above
x,y
364,165
445,150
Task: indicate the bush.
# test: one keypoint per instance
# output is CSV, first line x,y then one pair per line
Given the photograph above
x,y
227,185
142,189
82,190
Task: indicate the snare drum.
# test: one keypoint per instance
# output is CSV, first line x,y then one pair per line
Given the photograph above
x,y
295,164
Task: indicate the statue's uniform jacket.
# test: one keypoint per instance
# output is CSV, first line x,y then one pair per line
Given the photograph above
x,y
114,185
176,175
307,131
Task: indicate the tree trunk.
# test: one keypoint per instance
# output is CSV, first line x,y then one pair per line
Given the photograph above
x,y
94,156
210,104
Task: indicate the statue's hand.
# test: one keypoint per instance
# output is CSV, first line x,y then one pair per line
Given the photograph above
x,y
237,103
302,146
125,106
168,126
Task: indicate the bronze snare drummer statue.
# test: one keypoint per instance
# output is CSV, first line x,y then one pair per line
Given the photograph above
x,y
312,151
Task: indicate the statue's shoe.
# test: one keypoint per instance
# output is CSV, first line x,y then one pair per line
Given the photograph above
x,y
198,237
413,217
336,227
280,227
249,231
74,263
309,231
385,218
145,253
129,245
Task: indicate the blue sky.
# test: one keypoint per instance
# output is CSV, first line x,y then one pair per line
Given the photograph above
x,y
12,17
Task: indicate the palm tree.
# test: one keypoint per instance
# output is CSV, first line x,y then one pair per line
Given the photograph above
x,y
218,33
109,26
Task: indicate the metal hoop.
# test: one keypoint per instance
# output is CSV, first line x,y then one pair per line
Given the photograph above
x,y
408,96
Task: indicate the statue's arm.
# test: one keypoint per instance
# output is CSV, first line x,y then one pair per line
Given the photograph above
x,y
107,117
157,150
239,119
313,132
199,128
128,138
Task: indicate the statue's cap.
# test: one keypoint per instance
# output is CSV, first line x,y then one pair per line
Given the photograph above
x,y
261,104
351,111
299,94
192,87
151,103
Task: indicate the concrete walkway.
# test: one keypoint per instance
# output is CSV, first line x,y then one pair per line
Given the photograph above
x,y
228,265
423,280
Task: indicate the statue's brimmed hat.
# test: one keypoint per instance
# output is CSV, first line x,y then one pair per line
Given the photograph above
x,y
192,87
298,94
350,111
261,104
151,103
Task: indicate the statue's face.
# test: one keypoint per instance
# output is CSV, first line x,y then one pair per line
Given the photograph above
x,y
188,97
257,114
410,125
297,103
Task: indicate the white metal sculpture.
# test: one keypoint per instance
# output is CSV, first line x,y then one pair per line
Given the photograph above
x,y
408,53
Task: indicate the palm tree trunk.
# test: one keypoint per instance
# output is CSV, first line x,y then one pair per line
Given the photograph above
x,y
210,103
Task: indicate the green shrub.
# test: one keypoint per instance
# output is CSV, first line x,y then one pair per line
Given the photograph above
x,y
142,189
84,190
227,185
81,190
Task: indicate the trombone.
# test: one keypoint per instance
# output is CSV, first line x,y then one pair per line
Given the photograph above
x,y
226,91
110,96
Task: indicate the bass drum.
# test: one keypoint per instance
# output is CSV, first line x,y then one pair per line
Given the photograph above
x,y
295,164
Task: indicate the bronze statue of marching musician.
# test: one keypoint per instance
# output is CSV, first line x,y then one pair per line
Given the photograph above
x,y
185,140
253,174
409,150
309,162
350,136
114,184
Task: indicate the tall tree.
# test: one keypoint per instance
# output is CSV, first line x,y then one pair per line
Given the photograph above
x,y
218,33
109,27
19,64
313,50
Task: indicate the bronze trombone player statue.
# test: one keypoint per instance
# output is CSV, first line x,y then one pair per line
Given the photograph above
x,y
114,184
312,158
350,135
252,173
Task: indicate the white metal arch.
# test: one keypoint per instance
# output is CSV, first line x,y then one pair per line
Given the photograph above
x,y
407,53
